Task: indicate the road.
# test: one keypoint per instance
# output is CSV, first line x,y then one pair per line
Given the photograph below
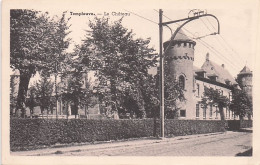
x,y
216,144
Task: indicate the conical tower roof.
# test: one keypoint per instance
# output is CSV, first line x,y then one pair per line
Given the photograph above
x,y
180,37
245,70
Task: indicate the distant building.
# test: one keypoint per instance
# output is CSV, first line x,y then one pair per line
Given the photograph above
x,y
179,57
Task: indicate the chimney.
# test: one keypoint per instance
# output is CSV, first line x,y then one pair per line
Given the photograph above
x,y
223,66
207,57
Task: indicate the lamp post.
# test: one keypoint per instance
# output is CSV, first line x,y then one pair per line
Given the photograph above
x,y
196,15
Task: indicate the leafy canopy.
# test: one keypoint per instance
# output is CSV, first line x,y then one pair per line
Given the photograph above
x,y
121,62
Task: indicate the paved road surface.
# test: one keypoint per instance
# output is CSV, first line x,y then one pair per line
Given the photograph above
x,y
215,144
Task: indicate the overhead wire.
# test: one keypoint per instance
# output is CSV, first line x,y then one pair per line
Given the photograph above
x,y
228,45
199,39
142,17
217,39
216,52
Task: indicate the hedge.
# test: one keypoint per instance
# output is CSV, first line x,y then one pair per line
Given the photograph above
x,y
237,124
26,134
188,127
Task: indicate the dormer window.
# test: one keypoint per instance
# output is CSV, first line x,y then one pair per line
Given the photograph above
x,y
201,73
213,77
228,82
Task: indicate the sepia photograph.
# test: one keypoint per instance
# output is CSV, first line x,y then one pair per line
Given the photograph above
x,y
121,82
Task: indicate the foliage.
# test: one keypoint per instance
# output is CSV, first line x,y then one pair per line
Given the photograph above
x,y
31,101
121,63
151,96
37,42
77,89
174,94
213,96
43,92
36,133
241,104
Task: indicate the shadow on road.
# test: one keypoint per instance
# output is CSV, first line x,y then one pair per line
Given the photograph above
x,y
246,153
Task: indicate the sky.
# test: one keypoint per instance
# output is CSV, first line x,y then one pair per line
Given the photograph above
x,y
235,46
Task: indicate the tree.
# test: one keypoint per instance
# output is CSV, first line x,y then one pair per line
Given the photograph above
x,y
241,104
174,94
212,96
36,42
43,92
150,93
77,89
31,101
121,63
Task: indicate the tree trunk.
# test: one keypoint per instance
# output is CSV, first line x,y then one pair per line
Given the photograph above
x,y
221,112
113,93
31,111
22,93
42,109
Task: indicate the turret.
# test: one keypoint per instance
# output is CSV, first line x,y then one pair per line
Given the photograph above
x,y
244,79
179,57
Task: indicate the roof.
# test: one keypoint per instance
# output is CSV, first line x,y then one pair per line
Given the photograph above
x,y
245,70
212,68
181,36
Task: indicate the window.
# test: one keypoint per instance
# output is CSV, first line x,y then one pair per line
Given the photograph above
x,y
198,90
182,82
210,112
230,96
179,44
190,45
216,112
197,110
183,113
204,112
185,44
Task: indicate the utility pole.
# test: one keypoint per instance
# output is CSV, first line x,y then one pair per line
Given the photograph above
x,y
193,15
161,73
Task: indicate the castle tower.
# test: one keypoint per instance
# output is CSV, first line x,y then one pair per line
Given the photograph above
x,y
179,57
244,79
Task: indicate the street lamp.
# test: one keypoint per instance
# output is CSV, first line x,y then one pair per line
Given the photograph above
x,y
196,15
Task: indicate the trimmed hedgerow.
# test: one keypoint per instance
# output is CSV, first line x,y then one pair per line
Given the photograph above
x,y
37,133
28,133
237,124
188,127
246,123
